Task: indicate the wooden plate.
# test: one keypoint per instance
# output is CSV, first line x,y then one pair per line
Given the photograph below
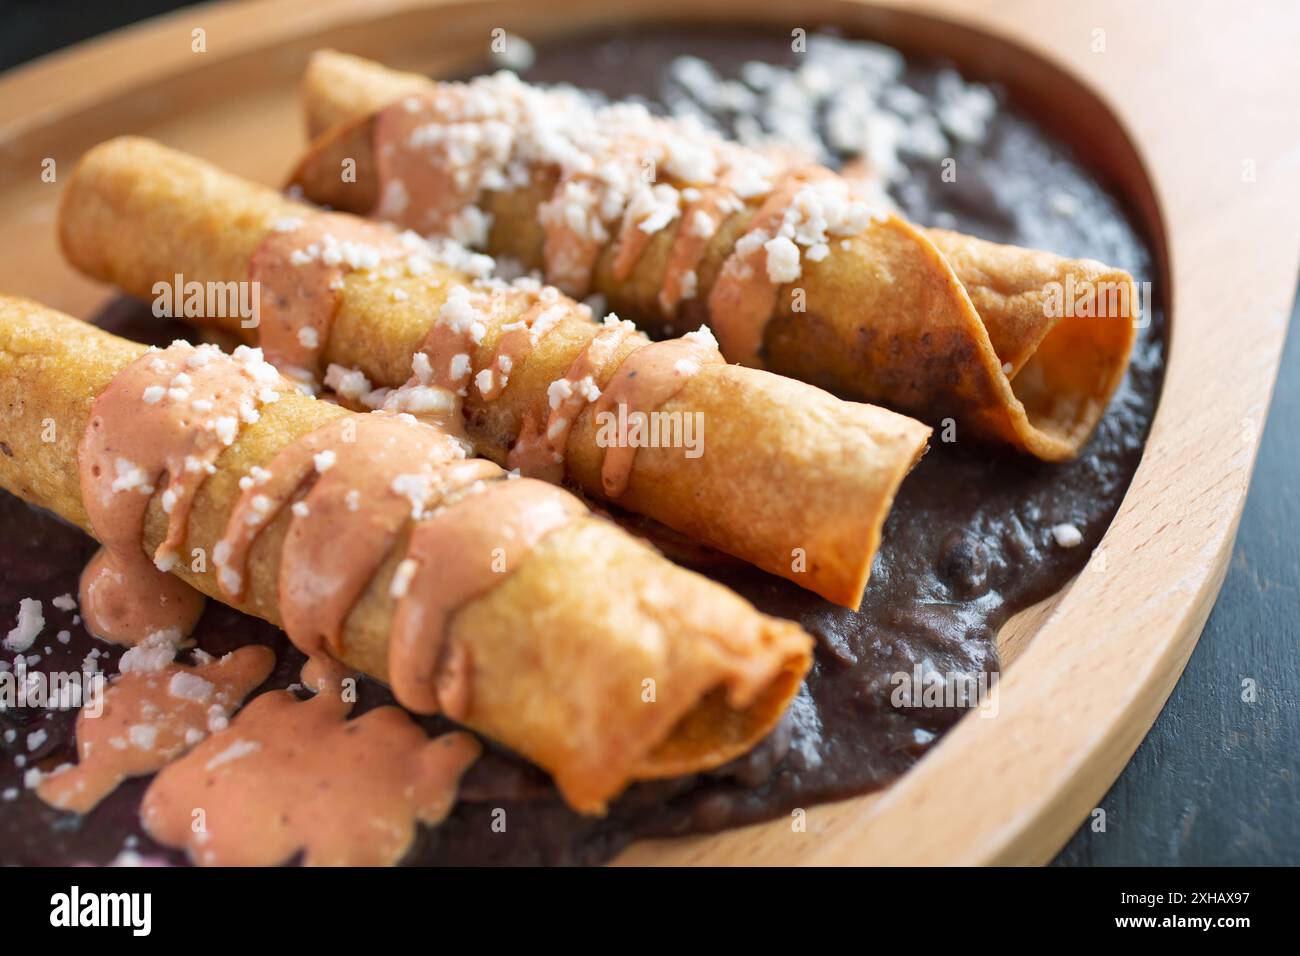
x,y
1190,113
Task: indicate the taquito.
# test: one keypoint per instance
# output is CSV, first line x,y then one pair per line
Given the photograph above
x,y
784,476
677,227
589,654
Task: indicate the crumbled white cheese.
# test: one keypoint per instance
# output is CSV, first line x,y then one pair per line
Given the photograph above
x,y
142,736
151,655
31,620
187,686
218,719
351,384
703,336
226,428
1067,535
130,477
690,284
420,400
782,260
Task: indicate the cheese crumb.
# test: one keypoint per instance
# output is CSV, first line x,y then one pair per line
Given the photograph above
x,y
130,477
703,336
226,427
142,736
151,655
1067,535
782,260
30,622
459,367
187,686
351,384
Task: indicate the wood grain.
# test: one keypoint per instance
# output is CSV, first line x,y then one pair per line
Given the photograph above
x,y
1190,110
1217,780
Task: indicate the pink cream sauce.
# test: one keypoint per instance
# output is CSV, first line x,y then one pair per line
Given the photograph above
x,y
427,202
427,176
321,784
299,269
539,450
158,428
379,471
648,377
744,297
574,242
447,352
292,777
150,717
290,263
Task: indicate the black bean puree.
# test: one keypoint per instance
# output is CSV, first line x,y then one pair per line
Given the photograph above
x,y
967,545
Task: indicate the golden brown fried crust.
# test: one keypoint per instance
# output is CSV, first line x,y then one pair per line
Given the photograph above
x,y
791,479
933,323
563,648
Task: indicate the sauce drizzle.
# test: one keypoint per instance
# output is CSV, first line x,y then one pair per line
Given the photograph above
x,y
539,451
359,480
647,379
162,422
298,267
602,164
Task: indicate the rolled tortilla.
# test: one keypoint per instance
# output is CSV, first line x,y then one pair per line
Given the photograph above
x,y
1017,346
563,646
790,478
